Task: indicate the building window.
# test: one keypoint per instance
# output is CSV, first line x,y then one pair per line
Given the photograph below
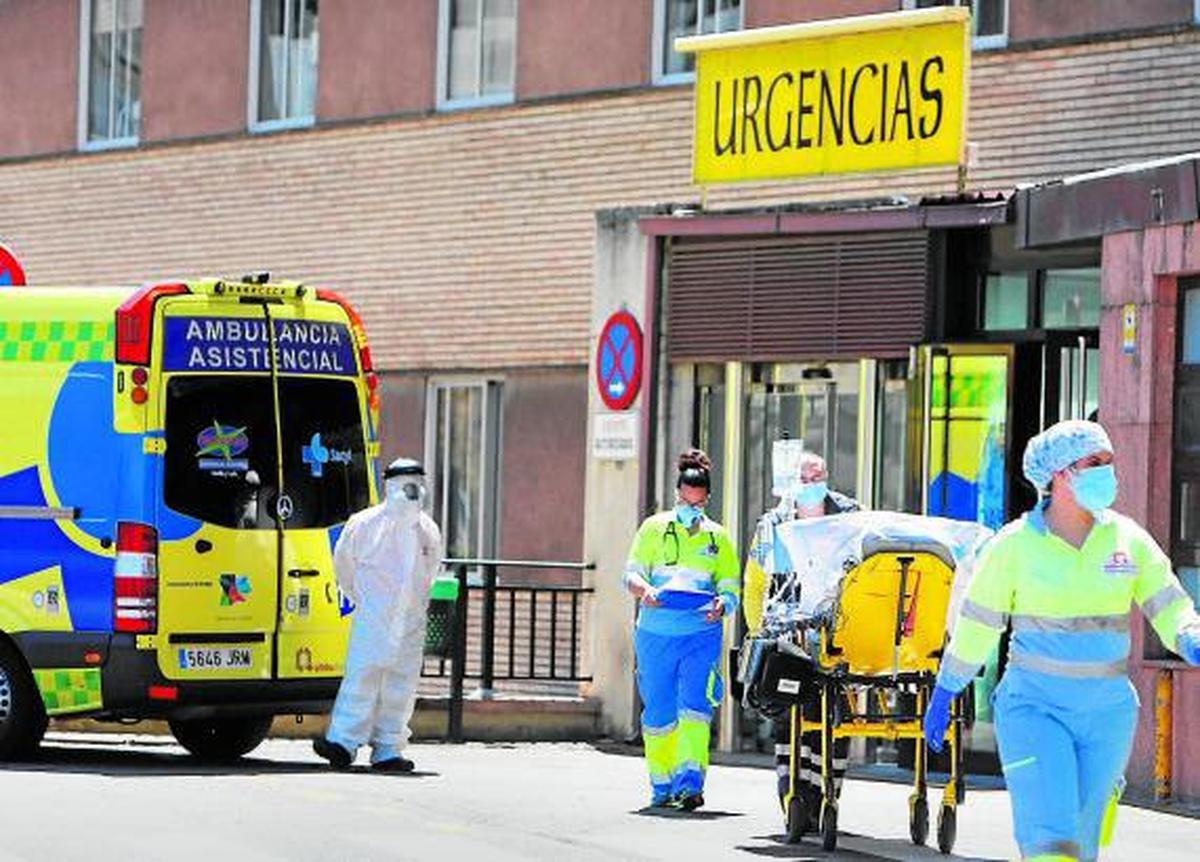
x,y
283,63
111,91
477,60
989,19
1070,298
462,460
675,18
1006,301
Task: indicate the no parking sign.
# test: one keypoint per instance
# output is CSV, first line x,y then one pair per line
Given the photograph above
x,y
11,272
619,360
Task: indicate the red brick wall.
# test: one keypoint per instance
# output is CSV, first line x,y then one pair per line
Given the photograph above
x,y
195,61
768,13
40,95
376,57
582,45
1044,19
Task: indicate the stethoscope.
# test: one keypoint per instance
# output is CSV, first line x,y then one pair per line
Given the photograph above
x,y
674,535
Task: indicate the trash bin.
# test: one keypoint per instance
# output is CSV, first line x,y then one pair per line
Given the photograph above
x,y
439,633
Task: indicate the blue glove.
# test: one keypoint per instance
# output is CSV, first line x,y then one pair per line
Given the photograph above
x,y
1188,642
937,717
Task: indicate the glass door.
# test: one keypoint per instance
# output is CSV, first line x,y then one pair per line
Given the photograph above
x,y
1071,376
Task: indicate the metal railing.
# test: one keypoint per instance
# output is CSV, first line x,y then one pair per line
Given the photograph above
x,y
520,635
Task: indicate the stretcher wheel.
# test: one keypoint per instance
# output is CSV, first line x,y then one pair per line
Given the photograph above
x,y
797,819
918,819
947,829
829,833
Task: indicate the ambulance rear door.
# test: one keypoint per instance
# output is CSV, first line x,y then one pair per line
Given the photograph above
x,y
220,491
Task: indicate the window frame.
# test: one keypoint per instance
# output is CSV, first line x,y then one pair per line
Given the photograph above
x,y
992,41
491,387
83,112
443,99
658,53
254,73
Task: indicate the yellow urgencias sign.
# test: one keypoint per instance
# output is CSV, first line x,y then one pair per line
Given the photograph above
x,y
859,94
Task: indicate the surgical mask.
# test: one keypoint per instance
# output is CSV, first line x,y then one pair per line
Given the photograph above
x,y
687,514
1095,488
811,493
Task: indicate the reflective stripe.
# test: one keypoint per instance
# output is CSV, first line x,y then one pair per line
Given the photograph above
x,y
1058,847
660,731
985,616
952,665
783,748
1076,669
1164,598
689,766
1114,623
694,715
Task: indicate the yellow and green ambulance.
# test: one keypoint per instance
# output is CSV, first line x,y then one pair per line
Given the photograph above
x,y
176,463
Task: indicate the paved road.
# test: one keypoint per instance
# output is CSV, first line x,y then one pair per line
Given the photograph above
x,y
94,798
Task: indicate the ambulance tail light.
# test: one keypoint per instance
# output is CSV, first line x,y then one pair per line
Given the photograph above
x,y
135,318
135,579
356,324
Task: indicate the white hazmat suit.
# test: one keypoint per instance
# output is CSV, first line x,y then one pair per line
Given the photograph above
x,y
385,560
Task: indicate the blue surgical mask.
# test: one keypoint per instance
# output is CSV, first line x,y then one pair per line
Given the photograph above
x,y
811,493
1095,488
688,514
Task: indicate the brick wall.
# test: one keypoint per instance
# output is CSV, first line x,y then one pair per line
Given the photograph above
x,y
466,238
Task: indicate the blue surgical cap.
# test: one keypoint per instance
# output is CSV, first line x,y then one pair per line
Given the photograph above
x,y
1060,446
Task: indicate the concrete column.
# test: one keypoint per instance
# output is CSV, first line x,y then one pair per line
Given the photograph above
x,y
613,489
1142,268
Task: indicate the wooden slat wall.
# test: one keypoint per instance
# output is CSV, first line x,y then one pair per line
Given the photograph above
x,y
797,297
467,238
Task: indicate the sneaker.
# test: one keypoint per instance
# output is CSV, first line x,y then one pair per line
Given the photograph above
x,y
689,801
338,756
665,801
394,764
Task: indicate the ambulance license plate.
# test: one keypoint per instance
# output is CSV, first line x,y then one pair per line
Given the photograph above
x,y
224,658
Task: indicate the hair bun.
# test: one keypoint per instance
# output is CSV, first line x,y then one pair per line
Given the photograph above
x,y
694,459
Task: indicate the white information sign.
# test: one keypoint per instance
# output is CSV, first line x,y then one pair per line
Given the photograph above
x,y
615,435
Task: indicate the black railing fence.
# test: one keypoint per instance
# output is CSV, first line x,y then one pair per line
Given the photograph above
x,y
510,632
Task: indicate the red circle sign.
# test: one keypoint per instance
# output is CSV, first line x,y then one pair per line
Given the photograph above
x,y
11,272
619,360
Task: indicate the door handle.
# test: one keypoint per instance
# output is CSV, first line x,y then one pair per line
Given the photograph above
x,y
203,546
303,573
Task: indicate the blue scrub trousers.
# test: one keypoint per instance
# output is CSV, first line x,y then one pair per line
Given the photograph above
x,y
1064,744
679,682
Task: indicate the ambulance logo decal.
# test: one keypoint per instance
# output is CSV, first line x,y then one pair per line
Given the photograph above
x,y
219,445
234,589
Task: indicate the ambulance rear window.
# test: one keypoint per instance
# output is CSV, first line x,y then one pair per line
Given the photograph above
x,y
221,464
324,457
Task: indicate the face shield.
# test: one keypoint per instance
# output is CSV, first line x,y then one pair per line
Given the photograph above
x,y
404,490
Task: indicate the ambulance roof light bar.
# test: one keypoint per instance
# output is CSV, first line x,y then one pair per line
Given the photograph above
x,y
135,320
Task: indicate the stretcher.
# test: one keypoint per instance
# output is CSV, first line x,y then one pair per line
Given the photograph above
x,y
858,626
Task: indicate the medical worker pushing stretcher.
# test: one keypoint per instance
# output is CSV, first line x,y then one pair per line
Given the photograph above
x,y
1064,576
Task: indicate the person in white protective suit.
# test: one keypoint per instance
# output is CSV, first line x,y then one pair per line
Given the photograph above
x,y
385,560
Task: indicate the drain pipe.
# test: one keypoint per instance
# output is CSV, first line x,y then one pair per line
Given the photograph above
x,y
1162,735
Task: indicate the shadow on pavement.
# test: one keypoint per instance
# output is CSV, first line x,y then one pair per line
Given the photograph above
x,y
127,760
675,814
864,848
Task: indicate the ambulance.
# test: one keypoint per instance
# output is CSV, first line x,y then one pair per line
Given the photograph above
x,y
176,463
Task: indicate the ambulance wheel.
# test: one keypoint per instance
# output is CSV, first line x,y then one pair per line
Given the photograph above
x,y
23,718
918,820
797,819
947,829
218,740
828,826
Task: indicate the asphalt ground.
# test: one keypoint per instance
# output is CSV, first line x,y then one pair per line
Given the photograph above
x,y
105,797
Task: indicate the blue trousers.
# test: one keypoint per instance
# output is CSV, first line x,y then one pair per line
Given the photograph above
x,y
680,684
1063,745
